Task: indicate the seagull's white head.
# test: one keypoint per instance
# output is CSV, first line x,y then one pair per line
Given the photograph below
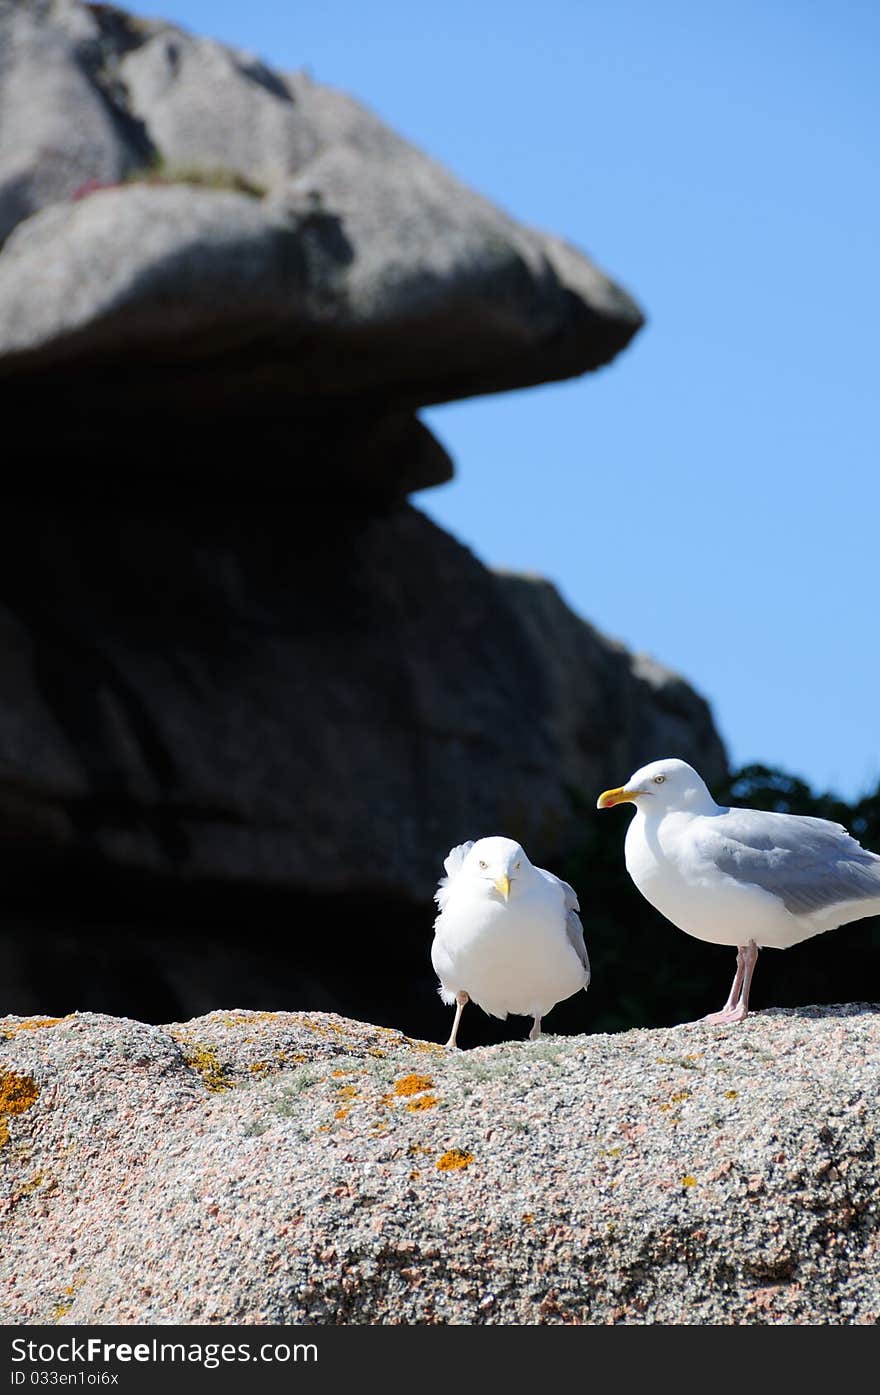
x,y
499,862
661,787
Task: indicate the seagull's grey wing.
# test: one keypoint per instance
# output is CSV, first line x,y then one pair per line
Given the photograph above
x,y
452,864
810,864
573,927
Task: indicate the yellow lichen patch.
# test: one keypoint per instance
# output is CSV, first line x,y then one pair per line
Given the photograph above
x,y
206,1061
528,1218
682,1095
414,1175
17,1093
337,1073
346,1092
259,1066
454,1158
432,1047
342,1114
377,1052
418,1148
32,1185
30,1024
695,1057
731,1094
413,1084
59,1311
688,1180
235,1019
423,1102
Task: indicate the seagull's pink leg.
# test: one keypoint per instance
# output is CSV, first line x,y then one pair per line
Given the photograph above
x,y
736,1009
536,1029
733,995
751,953
460,1000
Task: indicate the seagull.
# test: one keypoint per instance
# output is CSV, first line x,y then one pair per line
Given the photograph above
x,y
508,935
741,877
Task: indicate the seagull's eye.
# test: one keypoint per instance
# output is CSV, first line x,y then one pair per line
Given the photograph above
x,y
516,866
483,864
659,779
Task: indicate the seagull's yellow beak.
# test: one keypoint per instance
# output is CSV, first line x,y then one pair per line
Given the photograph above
x,y
503,885
608,798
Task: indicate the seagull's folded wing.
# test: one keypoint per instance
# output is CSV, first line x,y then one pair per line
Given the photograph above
x,y
810,864
573,926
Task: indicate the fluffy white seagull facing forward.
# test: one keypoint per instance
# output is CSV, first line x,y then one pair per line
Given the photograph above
x,y
508,935
740,877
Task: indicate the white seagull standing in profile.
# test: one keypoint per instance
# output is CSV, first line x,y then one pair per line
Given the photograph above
x,y
741,877
508,935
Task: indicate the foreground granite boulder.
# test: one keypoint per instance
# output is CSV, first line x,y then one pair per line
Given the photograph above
x,y
305,1168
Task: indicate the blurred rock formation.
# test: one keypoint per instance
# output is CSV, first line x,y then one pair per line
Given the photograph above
x,y
249,696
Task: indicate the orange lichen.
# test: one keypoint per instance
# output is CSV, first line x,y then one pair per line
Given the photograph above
x,y
682,1095
731,1094
346,1092
528,1218
413,1084
342,1114
17,1093
30,1024
423,1102
414,1175
454,1158
688,1180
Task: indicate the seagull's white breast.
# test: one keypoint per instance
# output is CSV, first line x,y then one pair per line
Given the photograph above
x,y
511,956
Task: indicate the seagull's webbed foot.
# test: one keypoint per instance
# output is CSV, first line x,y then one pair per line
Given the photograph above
x,y
536,1029
736,1009
727,1014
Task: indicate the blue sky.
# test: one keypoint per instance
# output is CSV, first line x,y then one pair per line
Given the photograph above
x,y
712,497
